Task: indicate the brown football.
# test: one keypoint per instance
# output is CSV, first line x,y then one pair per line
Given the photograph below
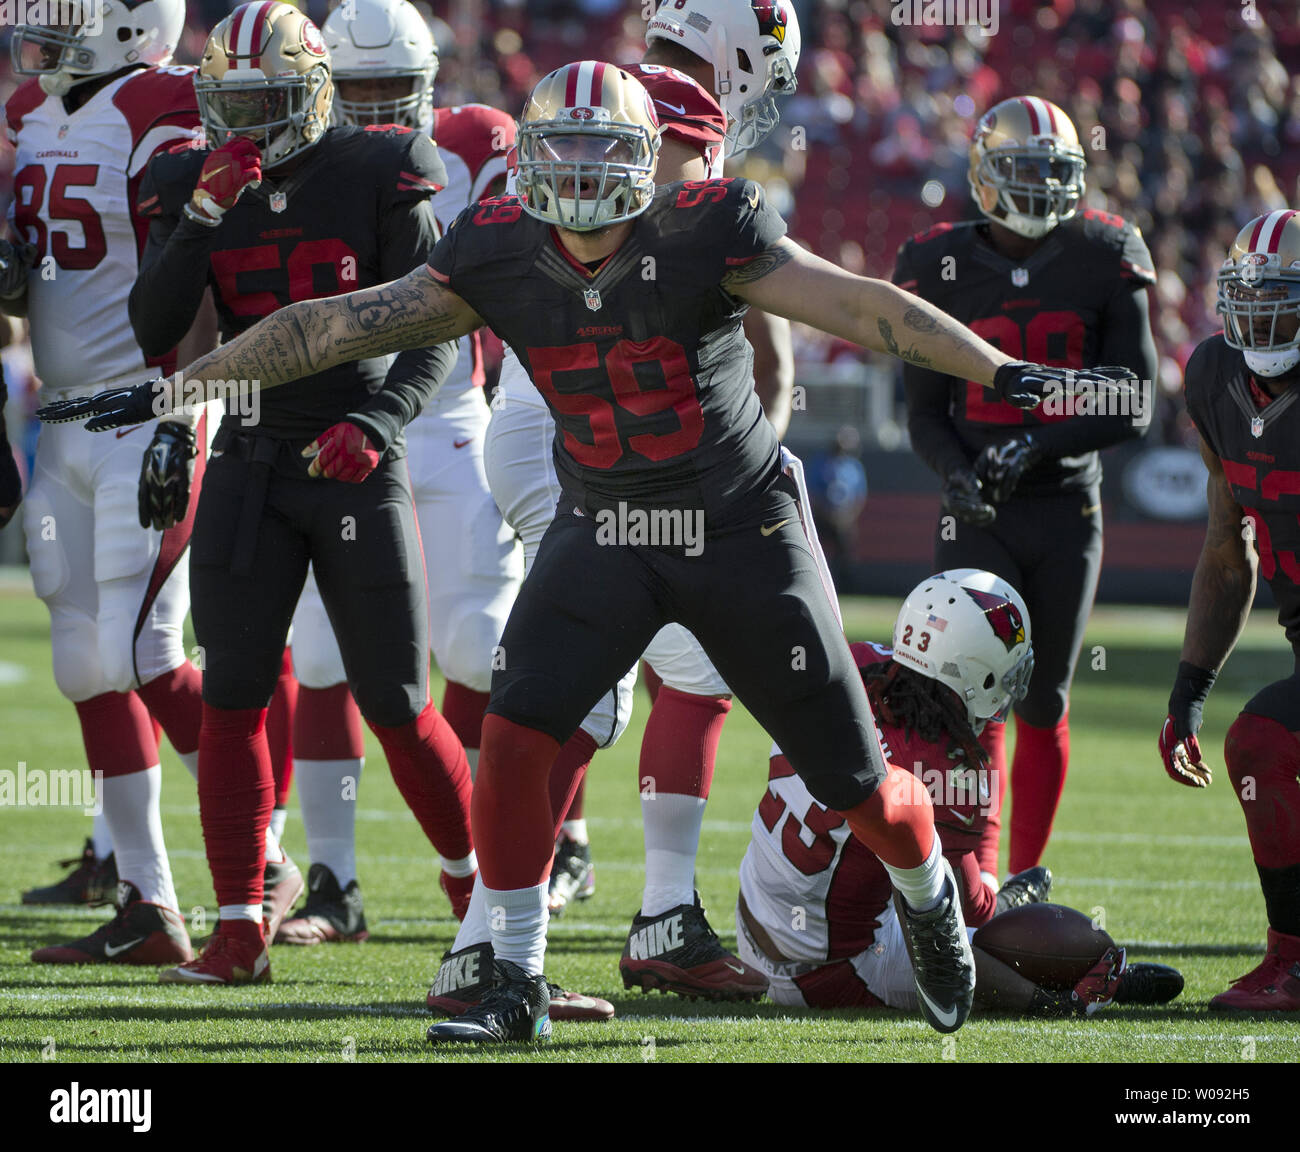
x,y
1049,944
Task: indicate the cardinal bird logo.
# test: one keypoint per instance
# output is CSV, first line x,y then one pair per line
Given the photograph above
x,y
1003,616
772,19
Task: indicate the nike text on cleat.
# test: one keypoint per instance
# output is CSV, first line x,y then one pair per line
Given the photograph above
x,y
1272,987
942,961
139,933
331,913
513,1010
678,952
281,886
465,977
572,875
91,881
225,960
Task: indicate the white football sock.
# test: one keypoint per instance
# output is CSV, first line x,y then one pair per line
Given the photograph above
x,y
466,866
249,912
517,920
922,887
274,853
131,805
100,836
279,815
672,840
191,762
471,754
575,830
327,791
474,928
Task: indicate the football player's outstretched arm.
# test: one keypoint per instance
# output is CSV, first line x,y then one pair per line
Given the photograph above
x,y
1223,586
311,336
795,284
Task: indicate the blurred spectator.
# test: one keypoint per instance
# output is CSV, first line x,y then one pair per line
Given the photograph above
x,y
837,484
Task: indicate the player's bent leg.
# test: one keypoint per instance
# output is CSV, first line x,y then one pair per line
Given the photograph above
x,y
1262,756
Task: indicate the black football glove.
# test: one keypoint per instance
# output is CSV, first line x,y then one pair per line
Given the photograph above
x,y
116,408
15,260
963,498
1025,385
165,475
1000,466
1179,749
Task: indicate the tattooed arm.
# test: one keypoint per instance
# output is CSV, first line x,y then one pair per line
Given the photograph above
x,y
793,283
309,337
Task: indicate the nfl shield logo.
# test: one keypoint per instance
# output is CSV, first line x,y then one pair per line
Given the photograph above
x,y
592,297
1257,427
279,201
63,132
1020,277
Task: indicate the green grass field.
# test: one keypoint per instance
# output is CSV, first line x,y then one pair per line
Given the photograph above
x,y
1169,869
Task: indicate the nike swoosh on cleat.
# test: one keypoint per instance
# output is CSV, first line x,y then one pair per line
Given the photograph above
x,y
738,969
767,531
127,431
110,951
967,820
947,1019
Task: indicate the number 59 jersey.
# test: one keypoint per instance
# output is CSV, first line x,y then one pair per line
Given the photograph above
x,y
642,360
76,175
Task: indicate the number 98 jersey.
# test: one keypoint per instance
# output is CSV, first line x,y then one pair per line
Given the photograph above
x,y
76,175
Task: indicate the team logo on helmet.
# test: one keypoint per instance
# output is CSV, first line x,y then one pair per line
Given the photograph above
x,y
312,40
1252,267
1003,616
581,113
772,19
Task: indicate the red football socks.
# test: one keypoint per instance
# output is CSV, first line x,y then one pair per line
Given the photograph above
x,y
118,734
463,709
897,821
236,793
327,725
680,746
513,827
1037,781
279,728
175,700
568,777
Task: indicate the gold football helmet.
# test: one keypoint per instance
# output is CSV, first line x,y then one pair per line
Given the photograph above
x,y
1026,166
265,75
1259,293
588,142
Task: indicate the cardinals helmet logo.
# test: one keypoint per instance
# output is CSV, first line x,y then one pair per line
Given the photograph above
x,y
1002,615
772,19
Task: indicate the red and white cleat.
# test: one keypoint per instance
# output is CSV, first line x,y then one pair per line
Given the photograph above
x,y
139,933
1272,987
226,960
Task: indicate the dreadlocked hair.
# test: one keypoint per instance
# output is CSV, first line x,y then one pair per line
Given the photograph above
x,y
905,699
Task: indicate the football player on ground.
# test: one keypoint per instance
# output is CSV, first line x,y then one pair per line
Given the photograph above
x,y
1021,490
694,443
816,913
749,52
1241,387
384,62
99,103
282,208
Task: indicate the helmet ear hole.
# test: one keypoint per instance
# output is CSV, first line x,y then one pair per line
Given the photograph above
x,y
988,681
742,58
124,34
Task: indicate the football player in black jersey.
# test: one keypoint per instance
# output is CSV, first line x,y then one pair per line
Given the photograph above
x,y
1241,387
283,209
1021,489
625,305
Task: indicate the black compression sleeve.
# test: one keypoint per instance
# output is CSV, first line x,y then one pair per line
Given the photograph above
x,y
169,289
934,439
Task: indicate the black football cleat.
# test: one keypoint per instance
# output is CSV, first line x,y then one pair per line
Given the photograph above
x,y
1145,983
91,881
331,912
677,951
573,877
942,961
465,977
513,1011
139,933
1032,886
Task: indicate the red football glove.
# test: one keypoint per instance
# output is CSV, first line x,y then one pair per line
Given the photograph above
x,y
342,453
226,173
1097,989
1182,756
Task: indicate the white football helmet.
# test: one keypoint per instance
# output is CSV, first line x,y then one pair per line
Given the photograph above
x,y
753,46
1026,166
95,38
265,75
382,42
588,141
968,629
1259,293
